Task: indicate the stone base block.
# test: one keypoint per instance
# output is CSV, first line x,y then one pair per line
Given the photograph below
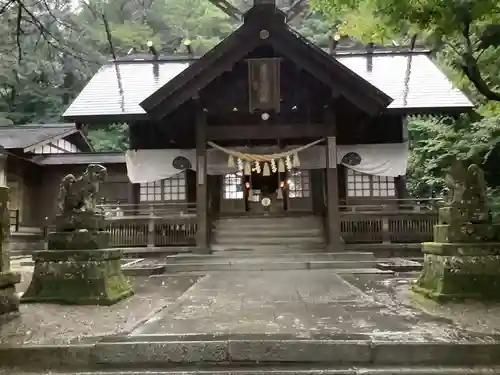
x,y
78,240
460,271
80,220
79,277
467,233
9,302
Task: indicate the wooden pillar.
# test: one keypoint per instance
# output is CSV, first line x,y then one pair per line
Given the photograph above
x,y
335,242
202,245
3,169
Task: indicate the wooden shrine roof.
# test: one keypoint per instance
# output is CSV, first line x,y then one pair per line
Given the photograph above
x,y
414,82
28,136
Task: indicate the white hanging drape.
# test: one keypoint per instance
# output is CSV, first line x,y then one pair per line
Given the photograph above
x,y
378,159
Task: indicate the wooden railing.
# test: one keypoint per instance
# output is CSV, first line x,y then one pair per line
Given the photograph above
x,y
174,224
387,227
393,221
14,220
157,224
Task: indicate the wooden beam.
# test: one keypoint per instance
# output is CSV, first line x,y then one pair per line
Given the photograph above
x,y
271,131
296,9
228,8
202,245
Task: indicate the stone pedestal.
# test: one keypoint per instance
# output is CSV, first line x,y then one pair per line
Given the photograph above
x,y
80,277
8,300
78,269
462,263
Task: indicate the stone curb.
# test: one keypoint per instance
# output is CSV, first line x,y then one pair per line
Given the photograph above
x,y
329,352
293,371
143,271
268,266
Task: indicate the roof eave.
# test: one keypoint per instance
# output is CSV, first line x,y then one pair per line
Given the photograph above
x,y
432,110
98,119
47,140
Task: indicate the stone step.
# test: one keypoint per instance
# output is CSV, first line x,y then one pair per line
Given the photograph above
x,y
264,264
266,223
269,232
268,249
346,354
289,370
356,350
268,241
250,254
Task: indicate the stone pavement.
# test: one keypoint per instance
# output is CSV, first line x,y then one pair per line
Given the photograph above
x,y
53,324
305,304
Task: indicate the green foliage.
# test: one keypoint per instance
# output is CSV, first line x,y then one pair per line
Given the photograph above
x,y
465,33
435,141
112,137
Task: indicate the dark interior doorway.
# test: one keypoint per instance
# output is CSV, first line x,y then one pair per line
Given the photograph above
x,y
257,186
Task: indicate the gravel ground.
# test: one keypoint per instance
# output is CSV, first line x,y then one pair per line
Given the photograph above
x,y
57,324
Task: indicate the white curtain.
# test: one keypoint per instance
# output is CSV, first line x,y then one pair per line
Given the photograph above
x,y
379,159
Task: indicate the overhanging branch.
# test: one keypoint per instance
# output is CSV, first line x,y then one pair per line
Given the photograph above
x,y
470,67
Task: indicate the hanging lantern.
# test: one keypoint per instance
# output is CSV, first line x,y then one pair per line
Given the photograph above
x,y
281,166
266,171
240,164
248,168
295,161
273,166
230,161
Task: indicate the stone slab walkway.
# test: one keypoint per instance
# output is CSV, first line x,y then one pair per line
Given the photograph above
x,y
60,324
305,304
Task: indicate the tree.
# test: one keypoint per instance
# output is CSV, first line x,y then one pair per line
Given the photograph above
x,y
435,141
466,31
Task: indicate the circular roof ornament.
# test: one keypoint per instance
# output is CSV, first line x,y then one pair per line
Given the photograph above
x,y
264,34
266,202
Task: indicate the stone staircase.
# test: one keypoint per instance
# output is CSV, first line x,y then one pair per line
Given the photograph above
x,y
268,243
267,234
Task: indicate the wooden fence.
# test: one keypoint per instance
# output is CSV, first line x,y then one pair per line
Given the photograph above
x,y
172,224
387,227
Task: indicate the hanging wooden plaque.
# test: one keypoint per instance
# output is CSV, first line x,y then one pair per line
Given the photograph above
x,y
264,84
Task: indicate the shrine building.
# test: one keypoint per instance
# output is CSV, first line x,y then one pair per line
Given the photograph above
x,y
264,124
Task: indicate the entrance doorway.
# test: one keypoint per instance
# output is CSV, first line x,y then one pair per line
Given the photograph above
x,y
257,187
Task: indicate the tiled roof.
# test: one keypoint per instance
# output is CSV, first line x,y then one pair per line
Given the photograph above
x,y
412,80
118,88
23,136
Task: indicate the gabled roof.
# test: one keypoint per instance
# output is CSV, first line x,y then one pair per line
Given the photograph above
x,y
268,20
27,137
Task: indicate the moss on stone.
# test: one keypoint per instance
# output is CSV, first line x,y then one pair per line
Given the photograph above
x,y
78,240
84,283
83,277
459,277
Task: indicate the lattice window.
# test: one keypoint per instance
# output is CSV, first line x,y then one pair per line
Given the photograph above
x,y
151,191
233,186
364,185
169,189
298,184
174,188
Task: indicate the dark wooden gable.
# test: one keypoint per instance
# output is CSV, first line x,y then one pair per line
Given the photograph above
x,y
342,81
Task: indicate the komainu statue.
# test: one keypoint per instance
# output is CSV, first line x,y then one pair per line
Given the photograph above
x,y
467,192
77,195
